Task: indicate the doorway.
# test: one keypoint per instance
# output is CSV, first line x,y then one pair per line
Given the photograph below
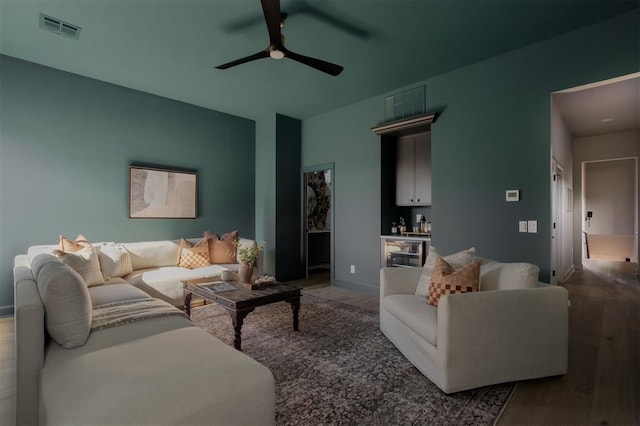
x,y
317,221
609,206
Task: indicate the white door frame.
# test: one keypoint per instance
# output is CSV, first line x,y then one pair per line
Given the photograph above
x,y
557,222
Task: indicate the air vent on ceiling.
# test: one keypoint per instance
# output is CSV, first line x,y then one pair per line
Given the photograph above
x,y
59,27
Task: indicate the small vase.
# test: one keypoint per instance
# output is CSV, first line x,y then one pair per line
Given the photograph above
x,y
245,272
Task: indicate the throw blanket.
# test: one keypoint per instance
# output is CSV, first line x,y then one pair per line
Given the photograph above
x,y
118,313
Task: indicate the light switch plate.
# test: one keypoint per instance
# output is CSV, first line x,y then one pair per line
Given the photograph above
x,y
522,226
532,226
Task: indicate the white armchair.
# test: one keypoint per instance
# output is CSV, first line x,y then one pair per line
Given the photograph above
x,y
511,332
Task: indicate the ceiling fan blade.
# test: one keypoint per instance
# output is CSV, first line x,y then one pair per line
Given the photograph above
x,y
272,17
243,23
333,20
318,64
259,55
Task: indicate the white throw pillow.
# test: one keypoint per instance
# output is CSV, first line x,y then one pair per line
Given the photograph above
x,y
67,304
507,276
114,260
457,260
85,262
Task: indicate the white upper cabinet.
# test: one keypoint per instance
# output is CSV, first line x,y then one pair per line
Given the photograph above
x,y
413,170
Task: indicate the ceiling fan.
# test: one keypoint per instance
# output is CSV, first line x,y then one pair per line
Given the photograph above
x,y
276,49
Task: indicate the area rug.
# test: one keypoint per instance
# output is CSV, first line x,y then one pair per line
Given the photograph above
x,y
340,369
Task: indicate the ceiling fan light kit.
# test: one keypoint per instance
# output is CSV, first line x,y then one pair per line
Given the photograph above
x,y
276,54
276,50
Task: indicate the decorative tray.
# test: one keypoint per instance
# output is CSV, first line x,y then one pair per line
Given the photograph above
x,y
258,284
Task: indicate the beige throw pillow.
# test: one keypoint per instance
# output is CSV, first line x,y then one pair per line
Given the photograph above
x,y
446,280
85,262
194,256
67,304
221,249
457,260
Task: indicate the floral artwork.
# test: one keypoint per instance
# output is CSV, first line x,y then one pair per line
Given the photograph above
x,y
319,200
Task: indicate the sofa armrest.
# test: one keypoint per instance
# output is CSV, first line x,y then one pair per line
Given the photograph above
x,y
29,341
398,281
504,335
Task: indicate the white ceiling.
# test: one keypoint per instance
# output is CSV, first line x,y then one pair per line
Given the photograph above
x,y
170,47
610,107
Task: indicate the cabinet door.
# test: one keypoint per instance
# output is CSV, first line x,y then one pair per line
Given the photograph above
x,y
405,172
423,170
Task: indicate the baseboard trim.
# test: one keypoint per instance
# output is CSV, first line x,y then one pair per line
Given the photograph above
x,y
360,288
6,311
568,274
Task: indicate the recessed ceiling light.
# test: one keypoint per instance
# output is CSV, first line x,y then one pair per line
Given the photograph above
x,y
607,120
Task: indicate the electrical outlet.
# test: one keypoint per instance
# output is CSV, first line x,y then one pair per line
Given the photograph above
x,y
522,226
352,269
532,226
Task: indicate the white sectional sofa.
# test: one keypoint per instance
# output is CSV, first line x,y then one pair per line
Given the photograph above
x,y
153,266
514,328
158,370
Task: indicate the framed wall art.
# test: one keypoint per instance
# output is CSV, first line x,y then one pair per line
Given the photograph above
x,y
162,194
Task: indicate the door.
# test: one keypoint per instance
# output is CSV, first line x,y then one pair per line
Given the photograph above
x,y
405,171
413,170
423,169
318,220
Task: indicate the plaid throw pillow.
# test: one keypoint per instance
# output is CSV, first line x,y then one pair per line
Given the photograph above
x,y
446,280
193,256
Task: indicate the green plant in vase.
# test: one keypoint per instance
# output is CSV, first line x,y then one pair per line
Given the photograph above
x,y
247,255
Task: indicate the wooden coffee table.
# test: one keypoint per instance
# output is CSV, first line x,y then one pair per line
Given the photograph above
x,y
240,302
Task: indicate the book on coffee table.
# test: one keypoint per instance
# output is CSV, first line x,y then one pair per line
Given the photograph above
x,y
217,287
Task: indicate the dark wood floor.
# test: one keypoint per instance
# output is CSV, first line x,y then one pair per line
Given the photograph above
x,y
602,386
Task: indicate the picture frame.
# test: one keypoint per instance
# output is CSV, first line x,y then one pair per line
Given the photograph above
x,y
156,193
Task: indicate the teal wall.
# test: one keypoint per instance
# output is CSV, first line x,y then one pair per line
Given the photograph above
x,y
65,146
493,135
265,207
344,137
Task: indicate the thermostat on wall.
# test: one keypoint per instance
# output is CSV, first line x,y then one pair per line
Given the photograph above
x,y
513,195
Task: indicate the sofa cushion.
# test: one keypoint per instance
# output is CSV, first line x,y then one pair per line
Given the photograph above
x,y
505,276
152,254
67,304
194,255
103,294
415,314
166,283
447,280
70,246
85,262
141,381
115,260
457,260
221,249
